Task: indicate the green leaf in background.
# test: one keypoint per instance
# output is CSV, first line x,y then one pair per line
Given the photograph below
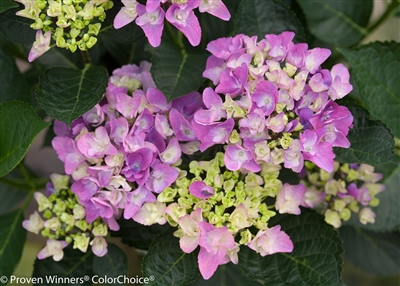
x,y
7,4
13,84
10,190
168,264
176,72
375,68
139,236
227,274
315,259
338,22
17,29
75,264
388,211
260,17
65,94
113,264
371,142
17,132
375,253
12,240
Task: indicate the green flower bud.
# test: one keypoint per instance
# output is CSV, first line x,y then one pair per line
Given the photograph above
x,y
206,206
60,42
68,219
195,168
54,9
229,185
74,33
98,12
245,237
339,205
37,25
94,29
81,224
59,206
167,195
45,232
81,242
62,22
214,218
235,137
280,107
352,175
82,45
309,165
333,218
219,210
100,230
78,24
345,214
68,239
41,4
374,202
48,214
324,175
72,47
272,144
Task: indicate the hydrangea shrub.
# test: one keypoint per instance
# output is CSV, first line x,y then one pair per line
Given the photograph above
x,y
215,144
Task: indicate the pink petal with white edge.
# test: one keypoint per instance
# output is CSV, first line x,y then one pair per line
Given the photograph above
x,y
185,21
188,243
216,8
125,16
40,46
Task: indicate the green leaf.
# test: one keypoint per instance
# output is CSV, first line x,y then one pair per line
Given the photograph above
x,y
365,137
74,269
139,236
315,259
260,17
113,264
168,264
65,94
17,29
227,274
12,240
19,125
176,72
375,68
338,22
13,84
7,4
10,190
388,211
375,253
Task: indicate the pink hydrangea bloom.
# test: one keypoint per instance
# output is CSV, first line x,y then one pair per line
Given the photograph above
x,y
271,241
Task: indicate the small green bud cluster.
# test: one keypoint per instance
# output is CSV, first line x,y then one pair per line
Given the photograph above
x,y
348,189
63,218
238,201
74,24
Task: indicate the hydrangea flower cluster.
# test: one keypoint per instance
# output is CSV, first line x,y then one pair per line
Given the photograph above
x,y
73,24
206,163
336,195
62,221
179,13
278,104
